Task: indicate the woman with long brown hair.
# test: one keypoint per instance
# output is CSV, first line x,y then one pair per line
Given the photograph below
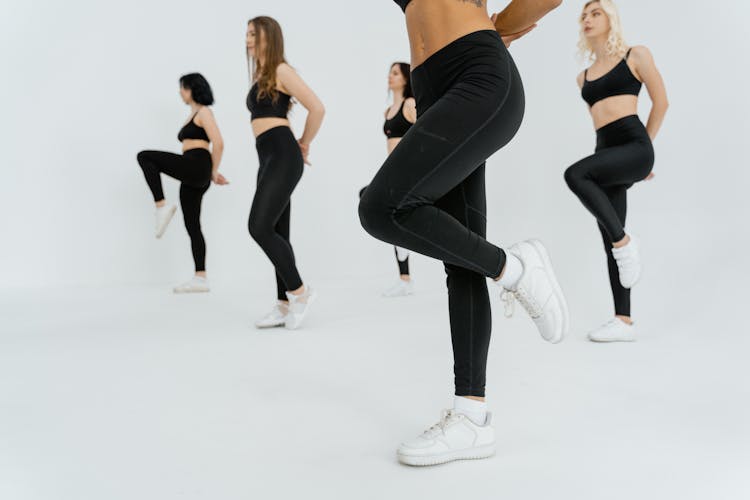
x,y
624,152
429,197
282,159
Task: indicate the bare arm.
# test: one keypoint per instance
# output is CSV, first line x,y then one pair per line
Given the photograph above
x,y
646,70
205,119
297,88
520,15
410,110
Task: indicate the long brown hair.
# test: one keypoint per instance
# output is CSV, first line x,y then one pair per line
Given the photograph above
x,y
273,53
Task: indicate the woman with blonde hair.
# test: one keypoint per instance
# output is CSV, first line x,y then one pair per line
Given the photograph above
x,y
624,152
281,158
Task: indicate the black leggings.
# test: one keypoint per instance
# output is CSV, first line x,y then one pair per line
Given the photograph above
x,y
403,265
429,196
280,170
193,169
624,155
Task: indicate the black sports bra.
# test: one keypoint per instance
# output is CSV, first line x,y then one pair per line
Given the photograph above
x,y
192,131
402,4
398,126
266,107
619,81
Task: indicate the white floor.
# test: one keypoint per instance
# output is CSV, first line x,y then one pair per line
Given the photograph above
x,y
133,393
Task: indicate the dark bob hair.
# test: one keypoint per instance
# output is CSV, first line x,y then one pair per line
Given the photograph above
x,y
198,87
405,70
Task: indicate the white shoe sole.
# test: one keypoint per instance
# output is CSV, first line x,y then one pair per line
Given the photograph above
x,y
477,453
295,321
192,290
395,295
605,341
544,255
163,228
266,327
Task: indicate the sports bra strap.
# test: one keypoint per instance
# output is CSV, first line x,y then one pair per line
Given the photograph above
x,y
628,53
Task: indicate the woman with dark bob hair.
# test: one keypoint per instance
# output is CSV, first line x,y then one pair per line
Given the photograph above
x,y
195,168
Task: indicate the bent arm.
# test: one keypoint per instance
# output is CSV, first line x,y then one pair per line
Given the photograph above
x,y
297,88
208,122
650,76
521,14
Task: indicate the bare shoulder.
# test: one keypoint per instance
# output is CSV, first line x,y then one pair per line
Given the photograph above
x,y
410,103
640,53
204,115
284,70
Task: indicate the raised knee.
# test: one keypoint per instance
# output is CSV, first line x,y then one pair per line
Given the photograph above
x,y
374,217
573,176
142,157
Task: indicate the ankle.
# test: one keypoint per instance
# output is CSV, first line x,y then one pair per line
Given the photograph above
x,y
625,319
622,242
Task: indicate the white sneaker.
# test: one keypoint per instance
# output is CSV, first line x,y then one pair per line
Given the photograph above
x,y
299,305
615,330
628,260
538,291
163,216
195,285
454,437
400,289
275,318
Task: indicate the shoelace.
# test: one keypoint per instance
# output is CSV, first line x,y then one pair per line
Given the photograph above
x,y
523,298
446,418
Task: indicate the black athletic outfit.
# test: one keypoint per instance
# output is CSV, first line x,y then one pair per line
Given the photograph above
x,y
429,196
280,170
396,128
624,155
193,169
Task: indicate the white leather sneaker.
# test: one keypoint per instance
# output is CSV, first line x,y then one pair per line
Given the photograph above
x,y
400,289
454,437
275,318
163,217
538,291
195,285
615,330
299,306
628,260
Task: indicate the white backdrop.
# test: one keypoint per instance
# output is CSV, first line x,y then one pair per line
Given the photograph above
x,y
89,84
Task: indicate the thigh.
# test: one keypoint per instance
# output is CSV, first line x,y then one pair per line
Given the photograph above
x,y
457,133
617,165
276,183
172,164
191,198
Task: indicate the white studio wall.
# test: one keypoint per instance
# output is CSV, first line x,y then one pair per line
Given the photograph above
x,y
94,83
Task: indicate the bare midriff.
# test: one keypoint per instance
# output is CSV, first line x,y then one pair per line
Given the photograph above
x,y
392,143
189,144
433,24
261,125
612,109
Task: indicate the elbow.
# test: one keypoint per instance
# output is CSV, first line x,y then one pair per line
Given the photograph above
x,y
553,4
319,110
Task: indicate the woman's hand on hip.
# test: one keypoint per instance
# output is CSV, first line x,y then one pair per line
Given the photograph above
x,y
305,148
219,179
